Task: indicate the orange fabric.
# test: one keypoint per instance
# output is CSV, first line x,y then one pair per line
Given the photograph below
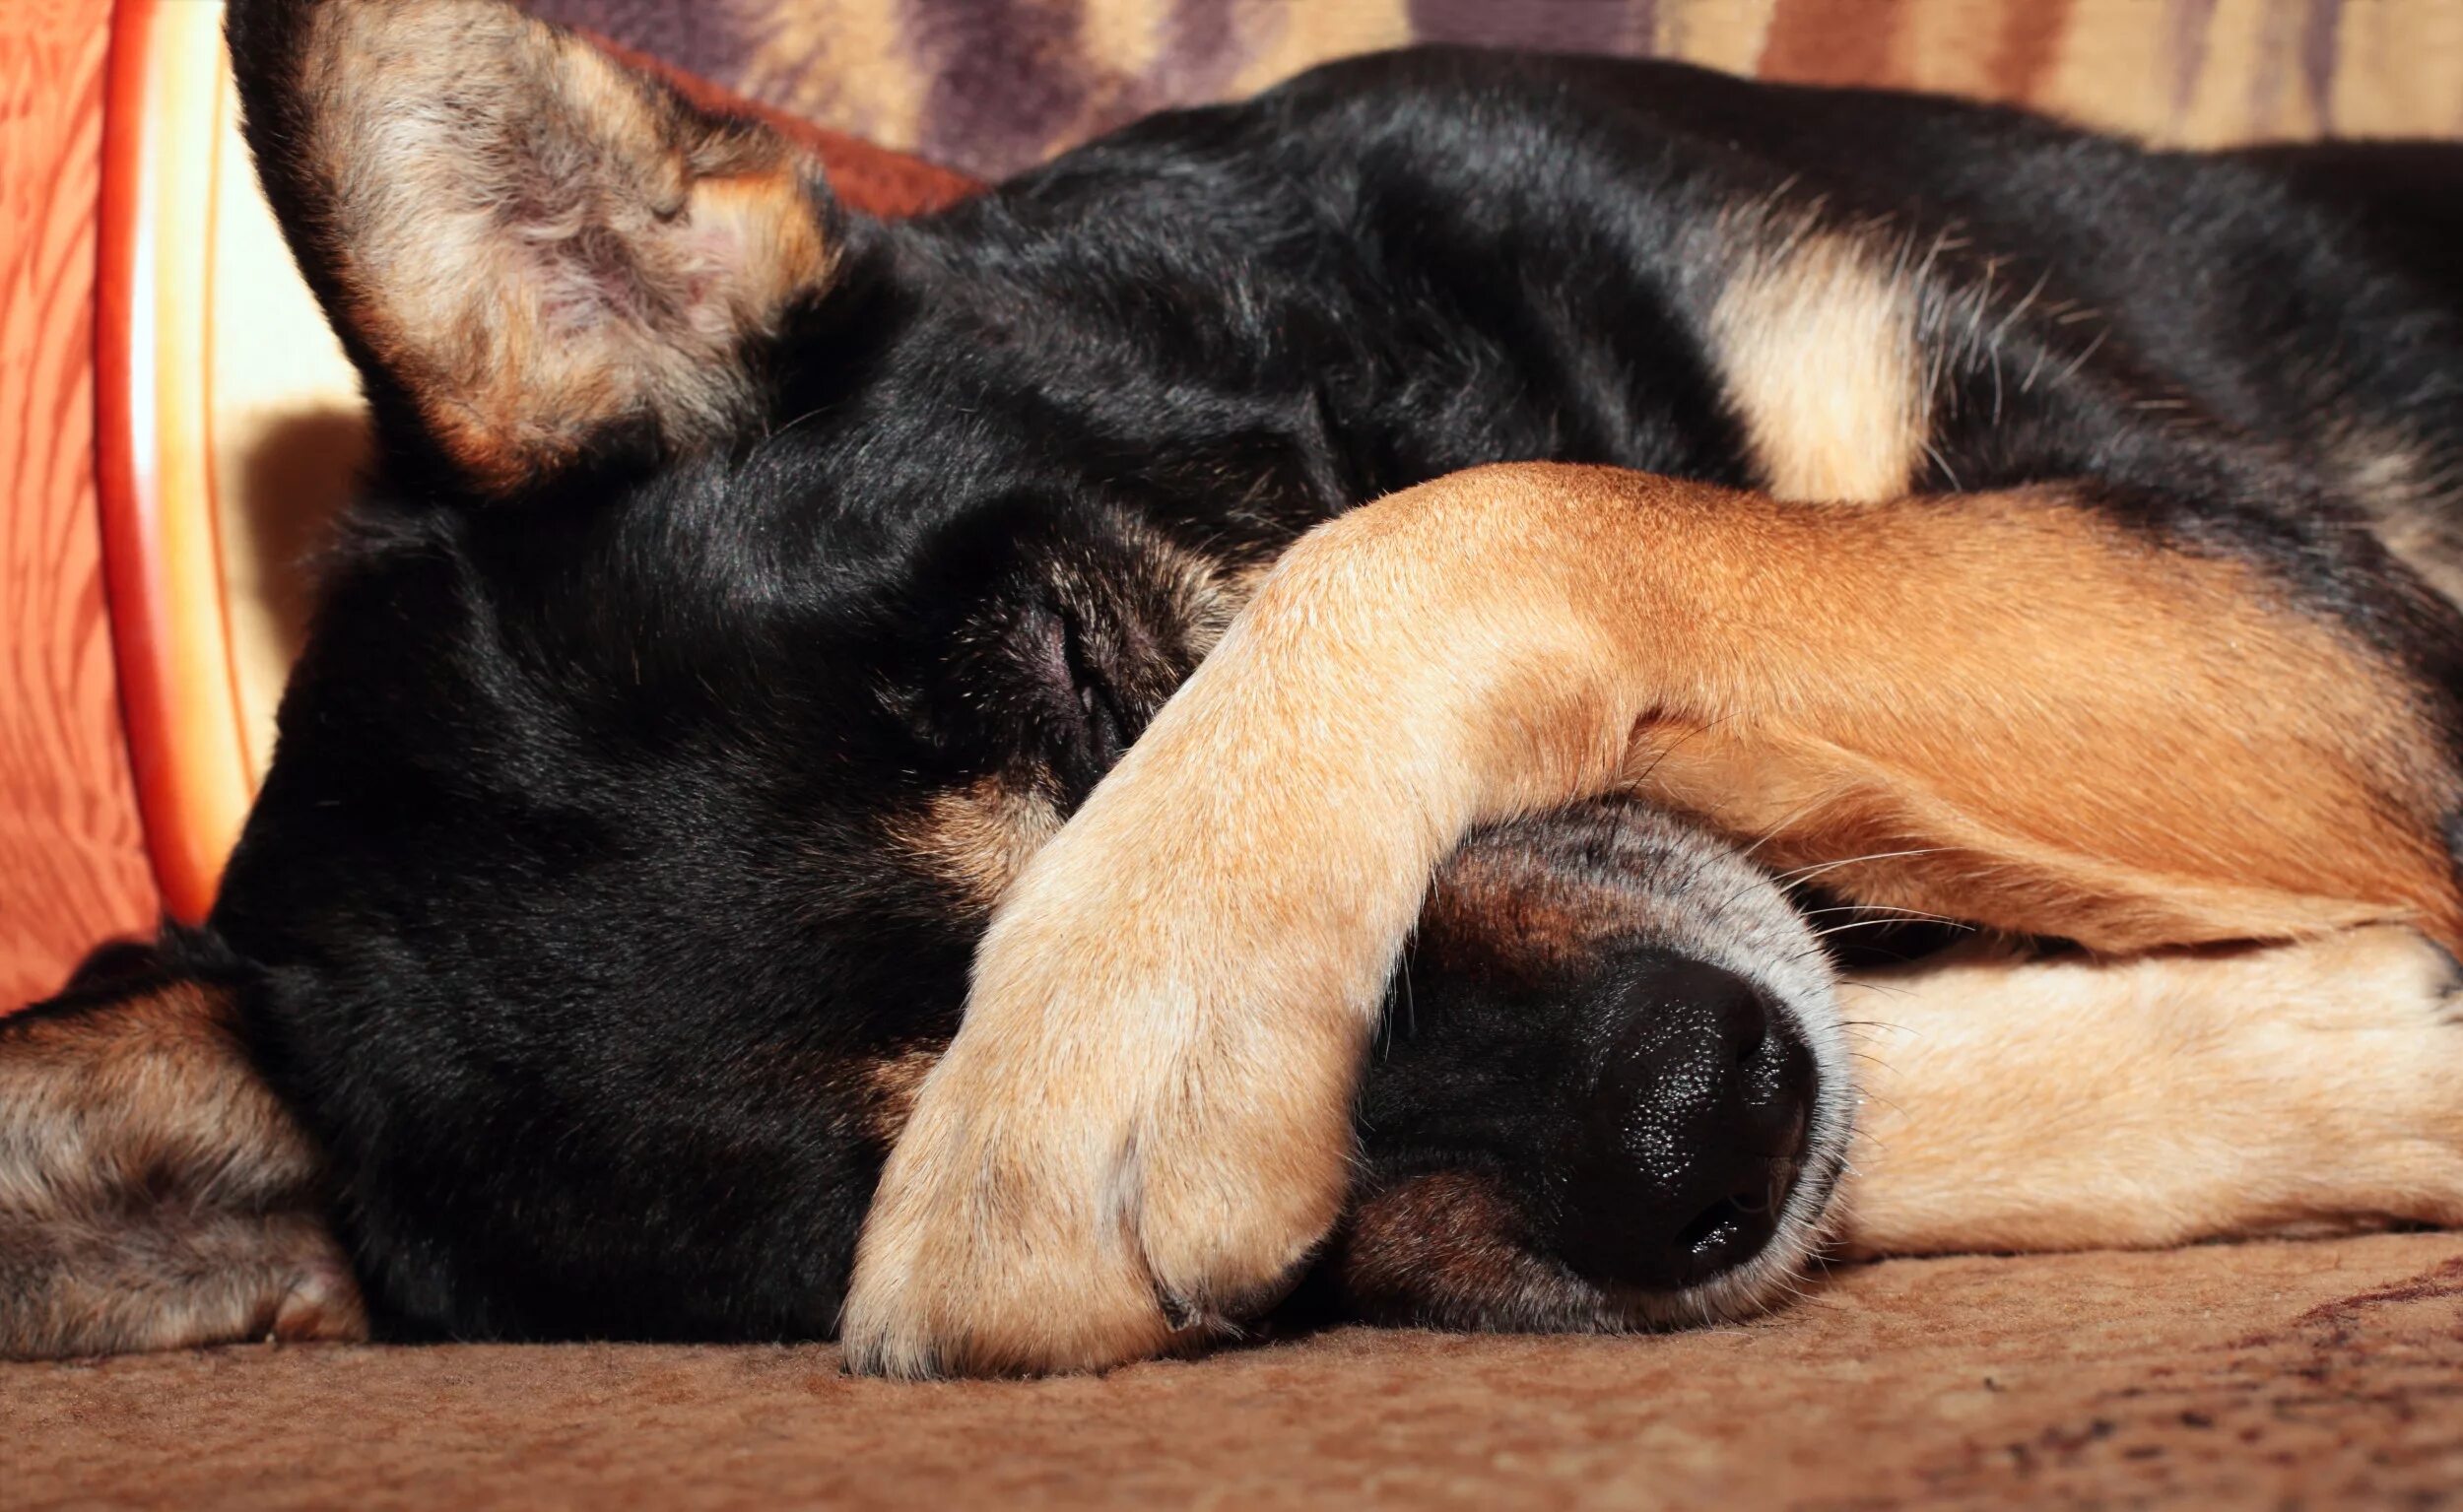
x,y
161,559
73,864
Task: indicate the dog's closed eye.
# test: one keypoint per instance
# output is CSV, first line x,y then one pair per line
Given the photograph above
x,y
1105,725
1067,662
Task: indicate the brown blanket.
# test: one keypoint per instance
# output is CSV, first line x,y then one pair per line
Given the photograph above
x,y
2326,1374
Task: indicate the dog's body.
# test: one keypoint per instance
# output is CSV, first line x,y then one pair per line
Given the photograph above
x,y
746,592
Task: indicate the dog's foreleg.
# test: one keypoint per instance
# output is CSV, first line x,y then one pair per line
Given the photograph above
x,y
154,1193
2000,707
2077,1103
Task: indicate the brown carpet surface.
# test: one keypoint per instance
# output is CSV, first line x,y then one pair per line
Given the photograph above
x,y
2325,1374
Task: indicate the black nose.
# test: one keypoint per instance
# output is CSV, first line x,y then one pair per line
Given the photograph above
x,y
1687,1139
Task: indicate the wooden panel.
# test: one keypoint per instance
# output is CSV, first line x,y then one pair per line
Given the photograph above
x,y
72,856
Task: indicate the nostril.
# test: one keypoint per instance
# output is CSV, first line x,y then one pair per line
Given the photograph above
x,y
1751,1035
1710,1228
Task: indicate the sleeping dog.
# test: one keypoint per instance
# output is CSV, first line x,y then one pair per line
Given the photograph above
x,y
758,617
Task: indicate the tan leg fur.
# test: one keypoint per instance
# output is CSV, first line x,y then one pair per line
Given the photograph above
x,y
2077,1103
1143,1124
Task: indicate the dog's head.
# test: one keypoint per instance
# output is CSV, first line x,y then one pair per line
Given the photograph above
x,y
891,538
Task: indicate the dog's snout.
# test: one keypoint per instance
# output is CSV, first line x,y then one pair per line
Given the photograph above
x,y
1688,1138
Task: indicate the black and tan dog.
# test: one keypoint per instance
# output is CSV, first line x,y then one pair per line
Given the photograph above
x,y
1985,520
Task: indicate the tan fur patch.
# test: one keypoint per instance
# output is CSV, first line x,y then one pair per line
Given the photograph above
x,y
1148,1097
538,243
2079,1104
887,1092
153,1192
979,837
1814,337
1520,918
1447,1250
2414,506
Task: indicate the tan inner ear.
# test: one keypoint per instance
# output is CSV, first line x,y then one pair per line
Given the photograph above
x,y
542,245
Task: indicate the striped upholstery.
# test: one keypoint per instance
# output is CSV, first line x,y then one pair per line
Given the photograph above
x,y
991,85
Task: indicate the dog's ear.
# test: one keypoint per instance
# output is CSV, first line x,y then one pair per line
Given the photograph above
x,y
534,254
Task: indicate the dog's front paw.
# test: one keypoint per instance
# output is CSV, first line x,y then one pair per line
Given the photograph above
x,y
1093,1187
1140,1132
979,1258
